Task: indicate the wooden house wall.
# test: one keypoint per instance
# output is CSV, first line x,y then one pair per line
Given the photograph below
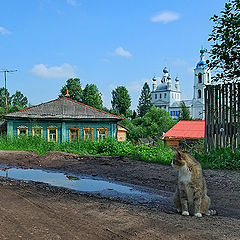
x,y
62,127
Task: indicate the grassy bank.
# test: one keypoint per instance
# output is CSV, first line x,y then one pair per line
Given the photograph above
x,y
215,159
109,147
221,158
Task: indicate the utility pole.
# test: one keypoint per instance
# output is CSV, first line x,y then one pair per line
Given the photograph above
x,y
5,78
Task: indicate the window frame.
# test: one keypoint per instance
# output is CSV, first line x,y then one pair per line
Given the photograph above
x,y
73,128
200,78
48,133
84,134
100,128
199,93
22,127
37,127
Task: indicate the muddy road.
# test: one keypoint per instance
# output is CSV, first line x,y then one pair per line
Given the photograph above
x,y
30,210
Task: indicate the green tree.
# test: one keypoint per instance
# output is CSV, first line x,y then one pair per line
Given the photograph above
x,y
74,88
156,122
19,100
144,103
92,97
184,113
3,99
225,50
121,100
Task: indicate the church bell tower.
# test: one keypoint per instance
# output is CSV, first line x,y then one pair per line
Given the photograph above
x,y
202,77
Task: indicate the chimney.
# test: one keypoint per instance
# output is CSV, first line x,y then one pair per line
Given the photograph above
x,y
67,94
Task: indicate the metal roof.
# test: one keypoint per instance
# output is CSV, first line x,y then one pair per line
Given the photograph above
x,y
62,108
187,129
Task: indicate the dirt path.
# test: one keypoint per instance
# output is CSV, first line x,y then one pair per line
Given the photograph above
x,y
36,211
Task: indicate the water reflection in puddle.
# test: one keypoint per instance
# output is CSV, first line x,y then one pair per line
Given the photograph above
x,y
85,184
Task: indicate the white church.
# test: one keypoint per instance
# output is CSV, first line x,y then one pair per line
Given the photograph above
x,y
167,95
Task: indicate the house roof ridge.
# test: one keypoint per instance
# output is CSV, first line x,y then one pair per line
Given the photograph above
x,y
91,107
58,99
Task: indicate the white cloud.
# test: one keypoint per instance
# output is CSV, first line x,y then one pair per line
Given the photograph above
x,y
73,3
122,52
64,71
4,31
165,17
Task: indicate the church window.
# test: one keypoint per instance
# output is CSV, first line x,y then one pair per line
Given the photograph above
x,y
199,93
200,78
155,96
165,95
160,95
171,113
172,96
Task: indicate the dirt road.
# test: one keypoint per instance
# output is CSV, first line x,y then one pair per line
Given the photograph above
x,y
36,211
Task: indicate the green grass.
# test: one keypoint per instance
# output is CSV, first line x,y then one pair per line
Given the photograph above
x,y
221,158
109,146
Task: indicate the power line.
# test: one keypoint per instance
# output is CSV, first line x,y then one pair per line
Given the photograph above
x,y
5,78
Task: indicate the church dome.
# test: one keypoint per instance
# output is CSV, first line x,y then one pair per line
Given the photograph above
x,y
165,70
162,86
201,64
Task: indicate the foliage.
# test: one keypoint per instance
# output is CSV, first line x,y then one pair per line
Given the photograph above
x,y
219,158
15,102
121,100
92,97
3,99
74,88
156,122
152,125
108,146
225,51
184,113
19,100
144,103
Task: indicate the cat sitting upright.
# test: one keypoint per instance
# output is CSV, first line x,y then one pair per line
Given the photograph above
x,y
191,195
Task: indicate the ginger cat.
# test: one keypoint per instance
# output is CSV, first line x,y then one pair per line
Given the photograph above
x,y
191,195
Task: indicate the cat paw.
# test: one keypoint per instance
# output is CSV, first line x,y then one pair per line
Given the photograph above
x,y
198,214
185,213
211,212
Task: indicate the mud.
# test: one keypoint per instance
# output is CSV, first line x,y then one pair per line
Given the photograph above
x,y
37,211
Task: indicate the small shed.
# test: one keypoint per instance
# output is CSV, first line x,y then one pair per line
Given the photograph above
x,y
185,130
121,133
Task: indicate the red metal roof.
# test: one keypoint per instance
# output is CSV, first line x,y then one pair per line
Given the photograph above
x,y
187,129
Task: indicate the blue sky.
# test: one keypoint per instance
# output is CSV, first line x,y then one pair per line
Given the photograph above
x,y
106,42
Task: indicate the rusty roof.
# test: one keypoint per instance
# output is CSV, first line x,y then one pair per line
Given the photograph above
x,y
62,108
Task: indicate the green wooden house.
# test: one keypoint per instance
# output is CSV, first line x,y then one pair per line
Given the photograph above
x,y
63,120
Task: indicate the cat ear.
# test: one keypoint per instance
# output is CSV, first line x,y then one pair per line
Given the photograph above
x,y
180,153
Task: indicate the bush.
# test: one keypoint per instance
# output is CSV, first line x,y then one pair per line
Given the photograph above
x,y
221,158
109,146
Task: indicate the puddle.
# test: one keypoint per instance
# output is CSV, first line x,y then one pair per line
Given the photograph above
x,y
86,184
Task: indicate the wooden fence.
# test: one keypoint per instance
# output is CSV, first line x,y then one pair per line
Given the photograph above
x,y
222,116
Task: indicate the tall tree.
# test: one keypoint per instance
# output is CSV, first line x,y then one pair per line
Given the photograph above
x,y
74,88
144,103
92,97
184,113
19,100
3,99
121,100
225,50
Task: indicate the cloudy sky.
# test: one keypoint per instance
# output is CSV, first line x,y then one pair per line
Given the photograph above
x,y
106,42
